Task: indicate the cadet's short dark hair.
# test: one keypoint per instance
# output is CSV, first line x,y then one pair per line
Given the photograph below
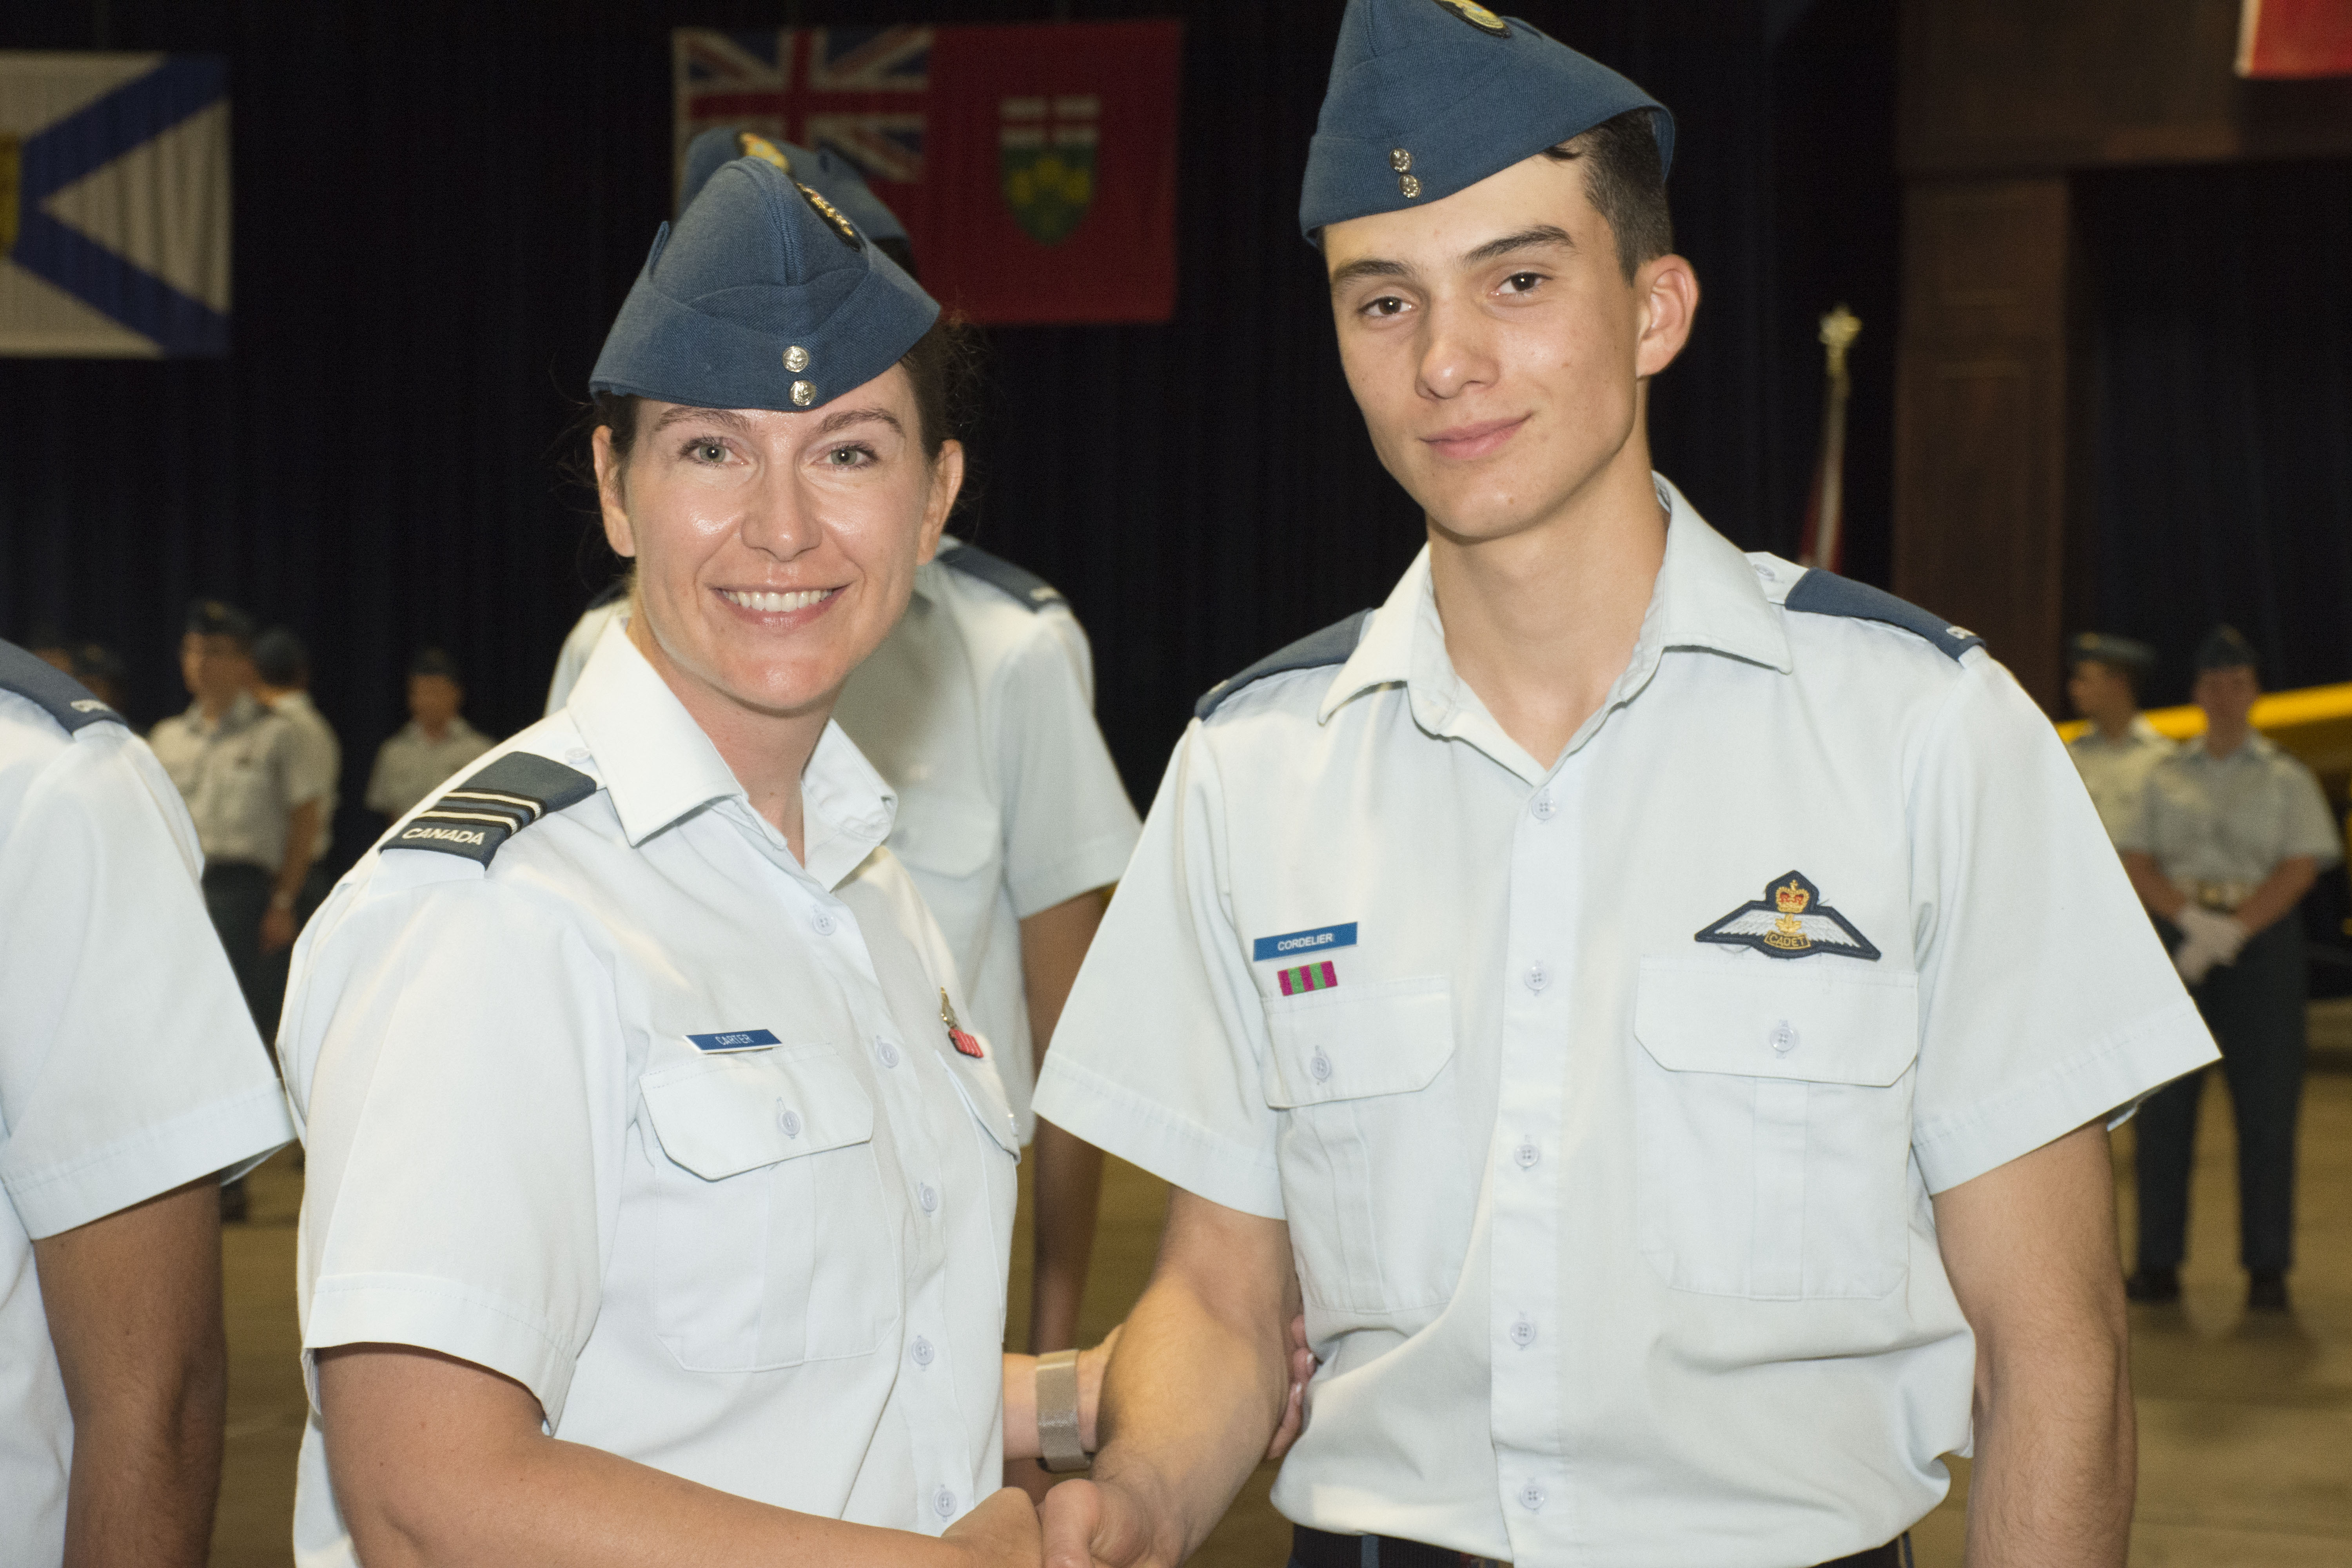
x,y
212,619
434,661
280,657
1626,184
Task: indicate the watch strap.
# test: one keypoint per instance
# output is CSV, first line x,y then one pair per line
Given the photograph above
x,y
1057,1412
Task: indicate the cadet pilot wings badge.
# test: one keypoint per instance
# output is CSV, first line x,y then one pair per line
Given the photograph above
x,y
1790,922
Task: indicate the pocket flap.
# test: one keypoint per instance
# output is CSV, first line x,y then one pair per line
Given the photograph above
x,y
1792,1019
731,1114
1348,1044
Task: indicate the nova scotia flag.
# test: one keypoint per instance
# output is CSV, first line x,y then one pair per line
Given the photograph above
x,y
114,204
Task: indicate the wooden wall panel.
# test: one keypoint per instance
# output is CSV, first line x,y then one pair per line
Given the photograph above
x,y
1981,402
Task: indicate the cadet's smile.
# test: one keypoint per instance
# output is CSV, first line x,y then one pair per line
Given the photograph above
x,y
1464,443
794,607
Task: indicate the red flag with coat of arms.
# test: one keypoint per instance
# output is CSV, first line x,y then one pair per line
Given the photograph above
x,y
1034,166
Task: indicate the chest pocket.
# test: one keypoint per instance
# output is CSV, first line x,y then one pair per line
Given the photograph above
x,y
775,1244
1772,1109
1368,1094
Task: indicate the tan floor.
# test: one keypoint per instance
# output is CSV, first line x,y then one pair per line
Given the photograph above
x,y
2245,1427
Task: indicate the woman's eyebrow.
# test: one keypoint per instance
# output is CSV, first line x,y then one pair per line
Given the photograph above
x,y
846,418
680,414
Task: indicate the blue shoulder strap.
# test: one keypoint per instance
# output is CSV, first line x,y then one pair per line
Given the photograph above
x,y
1331,646
493,805
1024,587
1819,593
52,691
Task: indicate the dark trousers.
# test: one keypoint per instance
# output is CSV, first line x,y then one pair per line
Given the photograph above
x,y
1319,1548
2255,1009
236,896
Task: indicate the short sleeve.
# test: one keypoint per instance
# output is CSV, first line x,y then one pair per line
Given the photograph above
x,y
2046,999
311,763
455,1052
379,788
129,1064
1069,827
1158,1055
2310,827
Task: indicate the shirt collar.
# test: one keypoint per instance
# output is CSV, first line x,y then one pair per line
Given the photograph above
x,y
2258,747
660,767
244,710
1706,598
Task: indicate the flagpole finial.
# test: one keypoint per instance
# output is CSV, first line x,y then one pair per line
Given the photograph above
x,y
1840,326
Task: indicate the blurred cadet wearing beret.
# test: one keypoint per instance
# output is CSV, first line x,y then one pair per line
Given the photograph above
x,y
2231,831
2104,675
648,1144
1536,969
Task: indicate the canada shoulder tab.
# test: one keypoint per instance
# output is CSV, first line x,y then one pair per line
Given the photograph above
x,y
1331,646
52,691
1018,583
493,805
1819,593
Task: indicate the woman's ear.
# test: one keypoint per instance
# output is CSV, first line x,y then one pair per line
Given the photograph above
x,y
611,493
947,481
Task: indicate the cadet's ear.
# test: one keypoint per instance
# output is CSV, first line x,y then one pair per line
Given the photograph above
x,y
611,495
1668,290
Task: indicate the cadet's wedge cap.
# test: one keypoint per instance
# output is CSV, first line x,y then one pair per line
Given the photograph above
x,y
2226,647
1429,97
831,176
2124,653
763,297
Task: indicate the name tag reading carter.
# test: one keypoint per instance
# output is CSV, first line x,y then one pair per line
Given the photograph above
x,y
735,1040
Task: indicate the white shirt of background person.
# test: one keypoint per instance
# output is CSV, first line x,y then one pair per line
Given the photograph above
x,y
132,1081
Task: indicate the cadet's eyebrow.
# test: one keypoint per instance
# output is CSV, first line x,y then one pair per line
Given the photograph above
x,y
843,418
1371,267
682,412
1526,238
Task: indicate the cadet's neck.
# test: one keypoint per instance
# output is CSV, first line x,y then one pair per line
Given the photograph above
x,y
767,753
1541,621
2115,724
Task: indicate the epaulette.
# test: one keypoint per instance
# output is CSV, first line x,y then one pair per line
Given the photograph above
x,y
493,805
1332,645
1819,593
612,592
52,691
1001,574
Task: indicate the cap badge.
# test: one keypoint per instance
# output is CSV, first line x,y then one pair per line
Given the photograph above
x,y
832,214
796,359
1790,922
803,394
752,145
1478,17
1400,160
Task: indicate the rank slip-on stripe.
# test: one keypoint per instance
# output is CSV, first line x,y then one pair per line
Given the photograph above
x,y
493,805
1308,977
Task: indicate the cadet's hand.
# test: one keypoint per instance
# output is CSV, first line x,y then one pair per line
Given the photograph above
x,y
277,931
2207,938
1002,1532
1095,1524
1293,1409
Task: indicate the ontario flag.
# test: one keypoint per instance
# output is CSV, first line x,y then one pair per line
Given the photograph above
x,y
2294,37
1034,167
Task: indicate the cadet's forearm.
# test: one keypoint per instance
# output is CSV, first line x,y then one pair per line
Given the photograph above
x,y
2280,892
2154,888
302,848
135,1310
2031,1250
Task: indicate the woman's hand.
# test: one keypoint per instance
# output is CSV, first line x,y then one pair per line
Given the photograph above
x,y
1002,1532
1294,1408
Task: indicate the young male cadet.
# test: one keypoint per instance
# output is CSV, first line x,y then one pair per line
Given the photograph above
x,y
1662,1003
2229,834
2115,755
979,708
130,1080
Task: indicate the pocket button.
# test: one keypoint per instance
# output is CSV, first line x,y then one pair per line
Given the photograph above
x,y
1783,1038
1321,1066
788,1121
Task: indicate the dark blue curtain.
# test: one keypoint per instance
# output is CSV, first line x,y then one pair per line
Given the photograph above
x,y
438,207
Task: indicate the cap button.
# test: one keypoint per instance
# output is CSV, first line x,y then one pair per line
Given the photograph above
x,y
1409,185
1400,160
796,359
803,394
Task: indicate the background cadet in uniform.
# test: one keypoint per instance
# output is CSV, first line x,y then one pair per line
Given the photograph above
x,y
257,797
2230,834
426,751
1640,995
131,1076
978,709
282,669
2103,676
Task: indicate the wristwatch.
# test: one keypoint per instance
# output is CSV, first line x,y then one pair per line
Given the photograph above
x,y
1057,1412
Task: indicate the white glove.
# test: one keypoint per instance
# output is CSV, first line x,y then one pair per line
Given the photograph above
x,y
2208,938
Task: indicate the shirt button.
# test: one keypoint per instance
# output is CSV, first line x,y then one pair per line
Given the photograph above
x,y
1537,976
822,921
788,1121
1526,1155
922,1350
1531,1497
1321,1066
1783,1037
929,1196
577,755
1543,807
943,1503
887,1052
1523,1333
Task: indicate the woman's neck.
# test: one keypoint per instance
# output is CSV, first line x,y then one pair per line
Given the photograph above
x,y
767,753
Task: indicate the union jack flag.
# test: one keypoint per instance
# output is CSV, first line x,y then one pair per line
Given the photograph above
x,y
856,91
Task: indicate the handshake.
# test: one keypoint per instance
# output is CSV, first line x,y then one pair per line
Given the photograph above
x,y
2208,937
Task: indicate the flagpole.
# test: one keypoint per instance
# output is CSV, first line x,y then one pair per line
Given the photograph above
x,y
1825,536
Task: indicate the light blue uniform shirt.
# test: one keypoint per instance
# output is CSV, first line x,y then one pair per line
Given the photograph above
x,y
2231,820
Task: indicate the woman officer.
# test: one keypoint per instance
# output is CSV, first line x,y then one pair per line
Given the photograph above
x,y
658,1207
